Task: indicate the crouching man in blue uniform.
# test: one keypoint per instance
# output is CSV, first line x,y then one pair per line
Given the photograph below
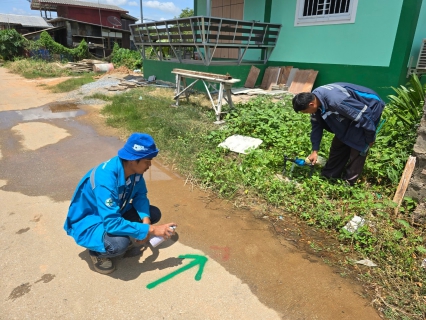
x,y
352,113
110,205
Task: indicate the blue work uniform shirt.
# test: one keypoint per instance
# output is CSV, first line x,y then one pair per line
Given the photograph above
x,y
99,201
349,111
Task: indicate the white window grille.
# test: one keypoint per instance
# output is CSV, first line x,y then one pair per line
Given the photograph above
x,y
315,12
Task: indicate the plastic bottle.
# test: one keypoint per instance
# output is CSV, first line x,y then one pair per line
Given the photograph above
x,y
157,240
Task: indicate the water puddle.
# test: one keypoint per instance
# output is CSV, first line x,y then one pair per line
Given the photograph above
x,y
53,110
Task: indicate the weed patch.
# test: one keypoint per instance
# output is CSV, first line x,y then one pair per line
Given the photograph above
x,y
33,68
177,131
188,140
73,83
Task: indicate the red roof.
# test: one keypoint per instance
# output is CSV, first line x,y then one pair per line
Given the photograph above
x,y
52,5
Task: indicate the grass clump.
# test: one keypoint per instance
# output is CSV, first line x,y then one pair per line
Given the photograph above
x,y
73,83
188,139
33,68
177,131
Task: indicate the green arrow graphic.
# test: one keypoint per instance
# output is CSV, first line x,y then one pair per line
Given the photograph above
x,y
198,260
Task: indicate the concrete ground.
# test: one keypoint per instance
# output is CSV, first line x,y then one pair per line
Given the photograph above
x,y
250,272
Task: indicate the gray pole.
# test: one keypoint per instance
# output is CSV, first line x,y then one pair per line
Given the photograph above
x,y
141,13
208,8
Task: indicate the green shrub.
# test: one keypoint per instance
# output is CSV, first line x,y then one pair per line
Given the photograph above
x,y
395,141
11,44
46,42
125,57
79,53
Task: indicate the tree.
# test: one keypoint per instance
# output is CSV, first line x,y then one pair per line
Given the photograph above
x,y
11,43
186,13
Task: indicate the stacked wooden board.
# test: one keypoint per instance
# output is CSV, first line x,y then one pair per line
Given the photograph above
x,y
85,65
293,79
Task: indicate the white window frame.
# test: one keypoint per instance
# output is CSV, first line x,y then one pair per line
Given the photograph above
x,y
336,18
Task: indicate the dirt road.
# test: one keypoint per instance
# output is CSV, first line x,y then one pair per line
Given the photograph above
x,y
250,273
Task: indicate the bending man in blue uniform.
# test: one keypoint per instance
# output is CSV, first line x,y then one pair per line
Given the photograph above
x,y
352,113
110,205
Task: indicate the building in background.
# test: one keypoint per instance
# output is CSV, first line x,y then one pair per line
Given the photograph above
x,y
100,25
23,24
364,42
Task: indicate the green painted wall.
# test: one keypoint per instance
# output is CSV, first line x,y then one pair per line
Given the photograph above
x,y
200,7
378,76
368,41
162,70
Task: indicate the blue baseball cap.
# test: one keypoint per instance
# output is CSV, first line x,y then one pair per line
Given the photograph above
x,y
138,146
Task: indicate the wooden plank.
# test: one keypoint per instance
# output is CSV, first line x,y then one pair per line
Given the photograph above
x,y
206,74
226,11
265,79
252,77
237,10
403,183
282,70
238,91
273,79
216,3
291,75
298,81
285,72
309,84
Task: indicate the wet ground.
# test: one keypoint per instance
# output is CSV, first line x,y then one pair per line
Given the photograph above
x,y
257,267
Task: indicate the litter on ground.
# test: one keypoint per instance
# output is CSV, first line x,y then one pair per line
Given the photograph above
x,y
355,223
366,262
240,144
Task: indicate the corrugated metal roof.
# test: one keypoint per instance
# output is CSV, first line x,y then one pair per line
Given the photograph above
x,y
36,4
129,17
25,21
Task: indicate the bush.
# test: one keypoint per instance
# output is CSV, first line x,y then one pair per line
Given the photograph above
x,y
124,57
78,53
395,141
46,42
11,44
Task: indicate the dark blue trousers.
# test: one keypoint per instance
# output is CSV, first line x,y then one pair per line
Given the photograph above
x,y
117,245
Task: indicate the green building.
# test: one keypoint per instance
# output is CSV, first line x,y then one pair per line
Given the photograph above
x,y
364,42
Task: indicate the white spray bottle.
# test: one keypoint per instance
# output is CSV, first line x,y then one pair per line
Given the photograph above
x,y
157,240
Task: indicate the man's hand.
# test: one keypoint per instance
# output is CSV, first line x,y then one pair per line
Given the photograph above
x,y
163,230
145,220
313,157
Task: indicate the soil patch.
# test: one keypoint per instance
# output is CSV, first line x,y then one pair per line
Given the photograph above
x,y
63,106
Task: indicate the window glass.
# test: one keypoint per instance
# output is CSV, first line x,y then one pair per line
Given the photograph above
x,y
312,12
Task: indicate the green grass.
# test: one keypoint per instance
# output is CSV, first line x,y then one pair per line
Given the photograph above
x,y
189,140
177,131
32,68
73,83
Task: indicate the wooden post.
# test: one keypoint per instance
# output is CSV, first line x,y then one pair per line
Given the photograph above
x,y
403,183
187,91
